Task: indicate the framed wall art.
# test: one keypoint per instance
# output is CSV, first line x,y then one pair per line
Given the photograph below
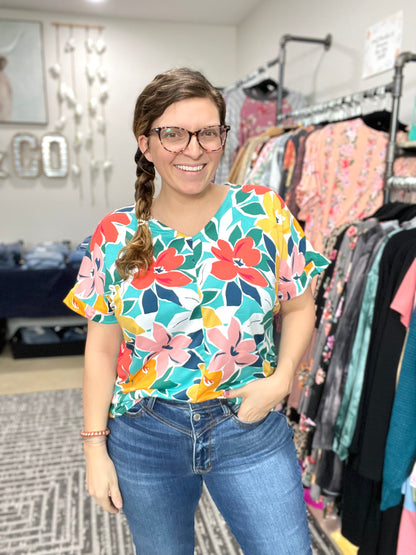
x,y
22,75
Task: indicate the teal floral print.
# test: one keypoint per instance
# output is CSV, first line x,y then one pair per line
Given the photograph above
x,y
200,320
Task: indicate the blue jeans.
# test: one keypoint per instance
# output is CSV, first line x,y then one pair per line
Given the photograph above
x,y
163,451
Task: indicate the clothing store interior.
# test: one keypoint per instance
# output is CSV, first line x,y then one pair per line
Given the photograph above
x,y
321,101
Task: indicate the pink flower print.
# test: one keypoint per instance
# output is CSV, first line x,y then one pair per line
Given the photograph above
x,y
233,351
164,348
352,230
90,312
320,377
289,272
90,275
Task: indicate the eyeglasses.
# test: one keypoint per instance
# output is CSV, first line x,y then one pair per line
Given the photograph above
x,y
176,139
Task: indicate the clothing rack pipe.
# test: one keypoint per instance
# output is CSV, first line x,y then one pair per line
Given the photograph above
x,y
392,148
282,59
327,110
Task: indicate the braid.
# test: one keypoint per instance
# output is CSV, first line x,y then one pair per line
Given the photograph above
x,y
138,253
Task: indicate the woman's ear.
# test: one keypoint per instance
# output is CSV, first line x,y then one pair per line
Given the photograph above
x,y
143,143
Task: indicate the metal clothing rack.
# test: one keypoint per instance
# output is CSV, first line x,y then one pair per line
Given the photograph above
x,y
337,109
395,149
281,60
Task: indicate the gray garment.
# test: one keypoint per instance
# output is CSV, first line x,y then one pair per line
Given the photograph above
x,y
234,102
361,262
269,173
312,392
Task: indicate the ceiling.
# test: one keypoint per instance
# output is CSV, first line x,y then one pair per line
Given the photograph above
x,y
225,12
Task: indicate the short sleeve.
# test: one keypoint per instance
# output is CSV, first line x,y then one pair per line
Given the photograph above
x,y
298,261
89,296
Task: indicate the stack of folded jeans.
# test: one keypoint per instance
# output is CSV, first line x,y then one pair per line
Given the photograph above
x,y
46,256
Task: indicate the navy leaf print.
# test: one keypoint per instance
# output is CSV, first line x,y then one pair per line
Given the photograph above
x,y
193,361
270,246
233,294
197,338
149,302
167,294
250,291
290,245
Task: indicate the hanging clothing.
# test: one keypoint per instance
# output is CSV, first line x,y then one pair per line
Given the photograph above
x,y
342,177
400,454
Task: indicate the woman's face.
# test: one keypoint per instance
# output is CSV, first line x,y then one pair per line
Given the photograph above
x,y
191,171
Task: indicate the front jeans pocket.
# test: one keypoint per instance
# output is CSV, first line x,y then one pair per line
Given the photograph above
x,y
243,423
137,410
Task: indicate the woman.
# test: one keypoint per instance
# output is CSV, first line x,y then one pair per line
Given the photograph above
x,y
180,293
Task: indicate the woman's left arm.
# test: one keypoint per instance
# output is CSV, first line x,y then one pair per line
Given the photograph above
x,y
259,397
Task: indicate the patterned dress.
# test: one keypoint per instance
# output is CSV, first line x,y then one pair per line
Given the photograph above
x,y
200,320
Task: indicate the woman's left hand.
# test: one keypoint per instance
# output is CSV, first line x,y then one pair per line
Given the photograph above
x,y
259,397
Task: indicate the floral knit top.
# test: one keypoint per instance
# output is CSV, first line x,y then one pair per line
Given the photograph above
x,y
200,320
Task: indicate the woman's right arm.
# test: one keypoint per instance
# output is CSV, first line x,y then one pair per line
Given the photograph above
x,y
101,351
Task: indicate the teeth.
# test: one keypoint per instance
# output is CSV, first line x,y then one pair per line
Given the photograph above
x,y
190,168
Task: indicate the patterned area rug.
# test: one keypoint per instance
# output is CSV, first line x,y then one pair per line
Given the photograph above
x,y
45,508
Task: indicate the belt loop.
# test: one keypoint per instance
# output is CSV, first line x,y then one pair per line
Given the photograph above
x,y
150,402
225,406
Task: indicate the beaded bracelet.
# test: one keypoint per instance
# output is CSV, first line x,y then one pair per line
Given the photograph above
x,y
85,434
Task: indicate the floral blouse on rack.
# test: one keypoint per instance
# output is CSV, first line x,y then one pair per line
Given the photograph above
x,y
200,320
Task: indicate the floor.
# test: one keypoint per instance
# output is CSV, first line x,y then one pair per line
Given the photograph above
x,y
52,373
27,375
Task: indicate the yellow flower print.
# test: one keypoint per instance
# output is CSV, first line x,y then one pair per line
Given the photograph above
x,y
204,391
277,222
267,369
209,318
127,323
142,379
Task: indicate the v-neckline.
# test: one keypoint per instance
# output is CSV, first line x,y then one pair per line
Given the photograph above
x,y
222,208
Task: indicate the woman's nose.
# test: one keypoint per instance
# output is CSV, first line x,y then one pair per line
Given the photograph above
x,y
193,148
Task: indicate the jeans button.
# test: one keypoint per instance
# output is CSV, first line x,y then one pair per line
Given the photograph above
x,y
196,417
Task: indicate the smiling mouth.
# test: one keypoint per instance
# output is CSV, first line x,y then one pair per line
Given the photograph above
x,y
190,168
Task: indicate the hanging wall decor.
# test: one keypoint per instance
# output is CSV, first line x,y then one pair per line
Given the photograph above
x,y
81,93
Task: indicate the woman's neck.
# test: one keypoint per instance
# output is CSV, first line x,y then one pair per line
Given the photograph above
x,y
185,213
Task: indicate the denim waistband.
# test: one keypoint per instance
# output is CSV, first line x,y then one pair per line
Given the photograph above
x,y
151,401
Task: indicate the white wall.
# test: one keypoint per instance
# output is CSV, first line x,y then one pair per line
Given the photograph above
x,y
317,73
55,209
45,209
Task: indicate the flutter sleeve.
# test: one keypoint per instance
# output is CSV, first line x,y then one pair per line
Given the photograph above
x,y
90,295
298,261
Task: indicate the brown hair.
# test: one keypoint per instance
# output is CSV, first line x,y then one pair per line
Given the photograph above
x,y
165,89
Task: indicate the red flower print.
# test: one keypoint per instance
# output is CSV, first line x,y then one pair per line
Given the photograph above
x,y
107,229
163,271
124,361
258,189
238,261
